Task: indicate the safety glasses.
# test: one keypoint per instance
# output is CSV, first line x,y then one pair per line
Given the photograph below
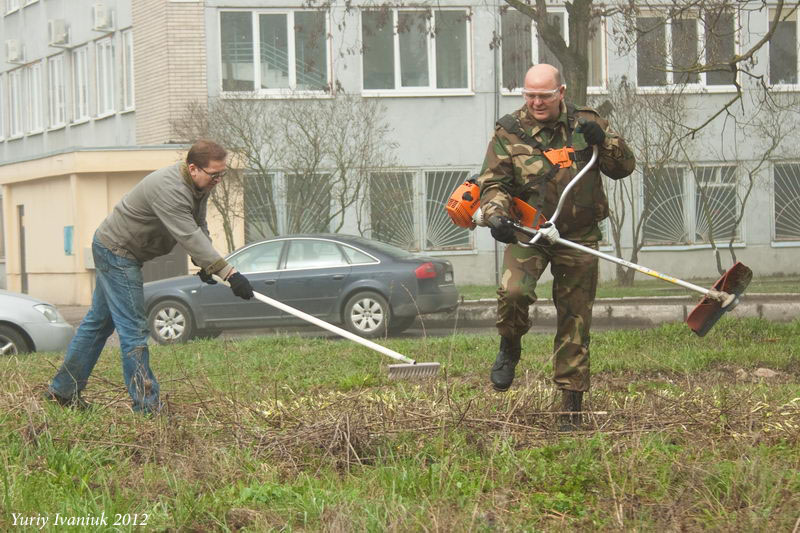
x,y
544,96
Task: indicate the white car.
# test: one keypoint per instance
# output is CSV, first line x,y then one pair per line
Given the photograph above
x,y
31,325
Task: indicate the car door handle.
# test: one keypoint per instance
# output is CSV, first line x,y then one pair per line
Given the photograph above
x,y
337,276
269,282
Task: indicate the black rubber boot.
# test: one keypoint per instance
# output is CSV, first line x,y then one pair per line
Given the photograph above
x,y
571,401
502,374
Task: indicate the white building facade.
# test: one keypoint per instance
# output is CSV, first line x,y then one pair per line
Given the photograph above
x,y
107,75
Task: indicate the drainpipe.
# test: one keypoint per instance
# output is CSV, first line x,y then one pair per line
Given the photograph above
x,y
495,72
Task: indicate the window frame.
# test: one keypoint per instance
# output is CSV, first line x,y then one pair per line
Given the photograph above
x,y
689,204
33,98
81,100
283,92
16,117
419,204
701,86
774,242
788,87
128,80
534,49
52,99
12,6
3,108
430,90
105,77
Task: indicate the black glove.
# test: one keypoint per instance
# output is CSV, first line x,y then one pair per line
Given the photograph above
x,y
592,132
501,231
204,277
240,286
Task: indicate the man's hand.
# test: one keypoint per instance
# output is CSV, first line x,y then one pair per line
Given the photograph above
x,y
501,230
592,132
204,277
240,286
549,232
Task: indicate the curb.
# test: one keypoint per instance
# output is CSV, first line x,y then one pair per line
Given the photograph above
x,y
627,312
607,312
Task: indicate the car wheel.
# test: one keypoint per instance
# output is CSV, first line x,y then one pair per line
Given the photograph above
x,y
12,342
170,322
399,324
366,314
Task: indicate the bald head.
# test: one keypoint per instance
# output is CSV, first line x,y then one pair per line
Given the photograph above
x,y
543,76
543,92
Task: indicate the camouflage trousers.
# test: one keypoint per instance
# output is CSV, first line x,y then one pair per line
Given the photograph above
x,y
574,286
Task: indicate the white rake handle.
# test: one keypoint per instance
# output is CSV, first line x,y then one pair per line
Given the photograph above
x,y
324,325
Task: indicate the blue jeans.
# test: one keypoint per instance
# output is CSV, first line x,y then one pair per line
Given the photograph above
x,y
117,302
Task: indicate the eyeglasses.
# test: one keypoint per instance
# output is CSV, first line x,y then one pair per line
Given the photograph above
x,y
544,96
216,175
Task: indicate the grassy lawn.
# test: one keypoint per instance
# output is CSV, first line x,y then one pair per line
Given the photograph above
x,y
645,287
303,434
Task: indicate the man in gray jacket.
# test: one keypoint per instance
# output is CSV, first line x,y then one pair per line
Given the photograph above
x,y
168,206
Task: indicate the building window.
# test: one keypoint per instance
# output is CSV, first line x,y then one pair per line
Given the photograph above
x,y
413,50
407,209
783,50
260,209
32,77
104,59
682,207
280,203
521,44
2,107
56,91
716,205
80,80
15,103
12,5
670,46
786,177
127,70
291,47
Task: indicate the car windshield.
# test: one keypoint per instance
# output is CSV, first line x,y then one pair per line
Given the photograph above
x,y
388,249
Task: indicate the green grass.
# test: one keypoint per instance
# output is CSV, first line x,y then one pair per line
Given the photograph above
x,y
644,287
303,434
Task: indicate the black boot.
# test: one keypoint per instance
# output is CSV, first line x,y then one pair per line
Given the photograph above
x,y
571,401
502,374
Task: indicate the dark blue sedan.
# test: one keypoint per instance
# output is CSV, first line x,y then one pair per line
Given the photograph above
x,y
369,287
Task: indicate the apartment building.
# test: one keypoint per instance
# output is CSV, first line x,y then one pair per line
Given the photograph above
x,y
89,91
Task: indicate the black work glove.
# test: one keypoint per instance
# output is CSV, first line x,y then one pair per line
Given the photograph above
x,y
204,277
501,230
240,286
592,132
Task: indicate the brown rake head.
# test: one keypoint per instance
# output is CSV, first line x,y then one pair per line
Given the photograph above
x,y
710,310
414,370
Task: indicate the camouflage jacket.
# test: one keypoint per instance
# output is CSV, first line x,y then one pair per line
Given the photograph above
x,y
514,168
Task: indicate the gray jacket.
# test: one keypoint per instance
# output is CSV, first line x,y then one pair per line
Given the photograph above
x,y
162,209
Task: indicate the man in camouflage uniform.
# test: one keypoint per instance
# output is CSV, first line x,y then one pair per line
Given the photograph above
x,y
516,167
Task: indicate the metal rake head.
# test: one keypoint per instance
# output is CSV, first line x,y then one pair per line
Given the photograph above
x,y
415,370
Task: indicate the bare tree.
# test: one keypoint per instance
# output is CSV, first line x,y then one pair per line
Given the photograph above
x,y
769,131
652,126
301,163
641,26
